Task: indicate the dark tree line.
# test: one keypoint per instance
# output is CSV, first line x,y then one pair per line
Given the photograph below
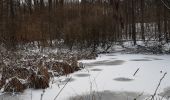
x,y
85,23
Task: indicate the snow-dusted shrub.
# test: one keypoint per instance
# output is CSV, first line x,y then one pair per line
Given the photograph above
x,y
62,68
155,49
38,81
9,72
44,72
14,85
14,79
75,66
87,55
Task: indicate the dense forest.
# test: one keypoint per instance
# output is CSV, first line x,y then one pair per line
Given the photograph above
x,y
85,23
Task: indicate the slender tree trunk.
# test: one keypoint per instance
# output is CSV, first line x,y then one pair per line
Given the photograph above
x,y
49,24
142,20
159,21
133,23
165,24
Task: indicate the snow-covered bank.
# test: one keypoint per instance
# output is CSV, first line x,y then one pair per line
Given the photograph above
x,y
109,72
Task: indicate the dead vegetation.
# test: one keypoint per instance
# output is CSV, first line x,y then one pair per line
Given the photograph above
x,y
38,81
35,77
20,71
9,72
62,68
14,85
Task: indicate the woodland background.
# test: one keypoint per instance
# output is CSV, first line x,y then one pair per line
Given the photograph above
x,y
85,23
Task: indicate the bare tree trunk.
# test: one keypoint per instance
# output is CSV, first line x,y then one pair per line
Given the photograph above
x,y
133,23
142,20
49,24
165,24
159,20
1,21
29,4
41,4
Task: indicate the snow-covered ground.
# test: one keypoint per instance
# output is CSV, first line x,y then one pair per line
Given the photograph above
x,y
109,72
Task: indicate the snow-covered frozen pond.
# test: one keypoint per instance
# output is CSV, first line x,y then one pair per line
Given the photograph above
x,y
109,72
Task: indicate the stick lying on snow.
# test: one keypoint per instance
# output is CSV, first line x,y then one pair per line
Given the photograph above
x,y
136,72
62,88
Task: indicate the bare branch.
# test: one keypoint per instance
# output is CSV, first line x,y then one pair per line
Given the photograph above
x,y
158,86
165,4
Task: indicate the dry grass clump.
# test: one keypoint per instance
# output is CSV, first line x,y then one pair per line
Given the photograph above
x,y
14,85
62,68
87,56
38,81
37,78
10,79
9,72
